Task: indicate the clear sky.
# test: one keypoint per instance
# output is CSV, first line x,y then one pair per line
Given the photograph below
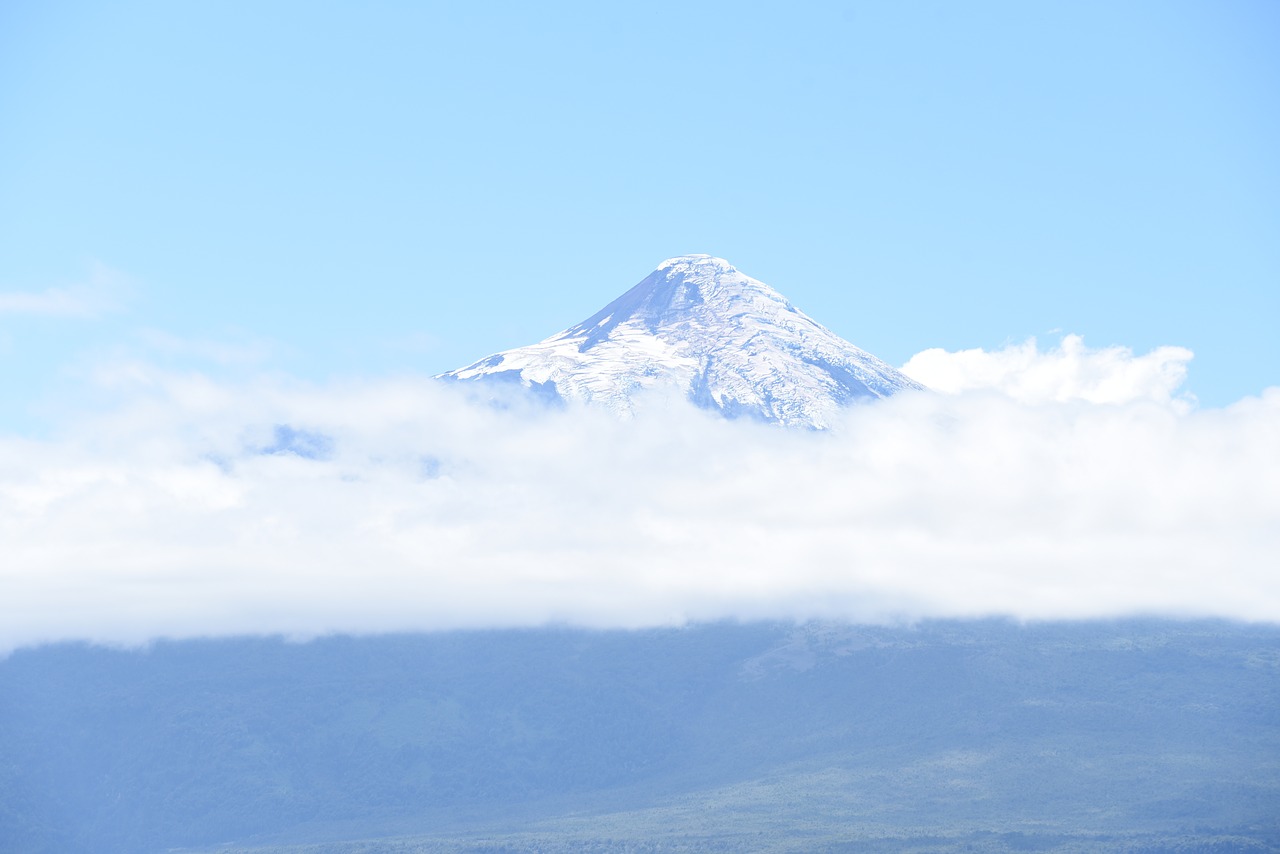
x,y
375,189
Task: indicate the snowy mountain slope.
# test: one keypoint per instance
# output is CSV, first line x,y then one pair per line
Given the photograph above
x,y
724,339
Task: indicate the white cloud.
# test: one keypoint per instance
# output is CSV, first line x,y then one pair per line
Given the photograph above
x,y
102,291
181,512
1070,371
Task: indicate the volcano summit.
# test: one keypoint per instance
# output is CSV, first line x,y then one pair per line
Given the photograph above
x,y
727,341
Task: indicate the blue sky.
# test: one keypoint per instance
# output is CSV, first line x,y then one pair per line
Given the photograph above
x,y
237,239
377,189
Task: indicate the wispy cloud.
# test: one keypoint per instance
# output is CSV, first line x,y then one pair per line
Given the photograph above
x,y
203,507
102,291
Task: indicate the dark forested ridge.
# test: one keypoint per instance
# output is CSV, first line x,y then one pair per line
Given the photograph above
x,y
948,736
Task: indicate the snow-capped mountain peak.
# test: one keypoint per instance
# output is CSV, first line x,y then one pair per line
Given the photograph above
x,y
726,340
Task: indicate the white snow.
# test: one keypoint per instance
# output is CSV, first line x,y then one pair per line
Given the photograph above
x,y
726,340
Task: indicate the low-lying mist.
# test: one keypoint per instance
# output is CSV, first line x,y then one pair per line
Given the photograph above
x,y
1067,483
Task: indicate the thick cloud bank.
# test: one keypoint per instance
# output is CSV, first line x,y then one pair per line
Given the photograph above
x,y
1070,371
192,507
